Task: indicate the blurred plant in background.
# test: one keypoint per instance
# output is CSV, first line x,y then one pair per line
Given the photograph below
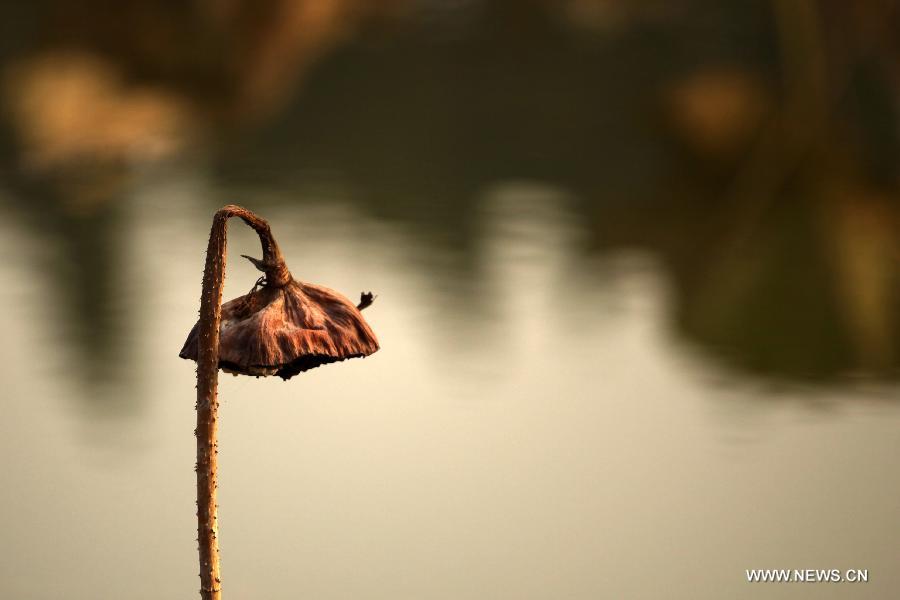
x,y
753,146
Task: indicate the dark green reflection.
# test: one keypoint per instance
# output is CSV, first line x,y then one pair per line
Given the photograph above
x,y
759,164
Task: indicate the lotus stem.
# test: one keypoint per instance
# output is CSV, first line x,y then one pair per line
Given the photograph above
x,y
208,383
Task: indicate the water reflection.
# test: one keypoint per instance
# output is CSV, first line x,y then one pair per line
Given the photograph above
x,y
81,258
781,245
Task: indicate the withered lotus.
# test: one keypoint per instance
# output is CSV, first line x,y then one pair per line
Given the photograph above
x,y
283,326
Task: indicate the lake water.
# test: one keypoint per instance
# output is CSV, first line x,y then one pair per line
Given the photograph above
x,y
530,429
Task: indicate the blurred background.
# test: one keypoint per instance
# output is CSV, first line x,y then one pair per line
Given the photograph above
x,y
638,277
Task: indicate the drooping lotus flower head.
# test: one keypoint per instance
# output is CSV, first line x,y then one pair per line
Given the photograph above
x,y
284,326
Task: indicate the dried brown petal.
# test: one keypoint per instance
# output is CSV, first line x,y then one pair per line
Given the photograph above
x,y
287,326
287,330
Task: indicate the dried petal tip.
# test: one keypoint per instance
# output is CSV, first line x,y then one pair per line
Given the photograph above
x,y
365,300
260,265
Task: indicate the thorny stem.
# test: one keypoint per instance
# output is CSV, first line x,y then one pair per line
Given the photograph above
x,y
208,380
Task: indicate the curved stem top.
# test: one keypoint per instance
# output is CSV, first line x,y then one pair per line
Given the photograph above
x,y
272,263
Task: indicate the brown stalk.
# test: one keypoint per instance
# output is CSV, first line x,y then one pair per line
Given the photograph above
x,y
208,383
